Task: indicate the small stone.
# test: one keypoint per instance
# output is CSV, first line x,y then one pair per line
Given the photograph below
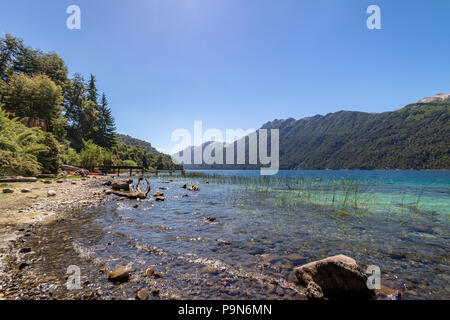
x,y
8,190
51,193
155,291
47,182
25,190
158,274
59,181
23,265
160,198
210,219
142,295
25,250
149,272
108,192
121,274
158,194
73,182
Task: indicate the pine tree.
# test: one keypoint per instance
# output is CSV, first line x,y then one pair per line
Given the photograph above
x,y
106,134
92,92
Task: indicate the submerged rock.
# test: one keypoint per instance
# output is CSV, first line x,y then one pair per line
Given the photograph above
x,y
119,275
158,194
337,277
160,198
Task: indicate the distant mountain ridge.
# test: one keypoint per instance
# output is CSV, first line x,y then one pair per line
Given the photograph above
x,y
414,137
143,153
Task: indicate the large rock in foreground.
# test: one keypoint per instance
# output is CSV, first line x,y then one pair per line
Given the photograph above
x,y
337,277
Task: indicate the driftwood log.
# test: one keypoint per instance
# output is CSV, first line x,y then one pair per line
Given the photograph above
x,y
134,194
18,179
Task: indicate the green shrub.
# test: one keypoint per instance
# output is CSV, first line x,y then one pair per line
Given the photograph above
x,y
20,147
50,159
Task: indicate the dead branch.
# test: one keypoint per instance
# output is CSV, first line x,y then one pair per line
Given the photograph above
x,y
134,194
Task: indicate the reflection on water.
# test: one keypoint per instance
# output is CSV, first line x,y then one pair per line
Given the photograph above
x,y
264,227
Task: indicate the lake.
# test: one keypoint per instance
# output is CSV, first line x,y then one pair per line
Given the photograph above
x,y
263,227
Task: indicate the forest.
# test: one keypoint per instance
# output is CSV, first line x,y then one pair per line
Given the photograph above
x,y
81,129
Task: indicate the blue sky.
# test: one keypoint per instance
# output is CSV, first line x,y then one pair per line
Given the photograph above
x,y
241,63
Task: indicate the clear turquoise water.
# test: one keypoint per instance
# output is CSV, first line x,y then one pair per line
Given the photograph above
x,y
265,227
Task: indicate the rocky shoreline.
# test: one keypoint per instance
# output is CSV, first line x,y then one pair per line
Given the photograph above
x,y
38,248
22,216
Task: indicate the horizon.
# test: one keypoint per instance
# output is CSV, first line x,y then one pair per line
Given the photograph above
x,y
240,64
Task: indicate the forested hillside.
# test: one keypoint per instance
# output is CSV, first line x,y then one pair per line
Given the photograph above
x,y
35,88
414,137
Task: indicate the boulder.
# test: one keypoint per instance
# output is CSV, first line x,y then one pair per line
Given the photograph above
x,y
121,184
119,275
8,190
337,277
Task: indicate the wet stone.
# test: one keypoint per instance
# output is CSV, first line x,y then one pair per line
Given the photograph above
x,y
142,295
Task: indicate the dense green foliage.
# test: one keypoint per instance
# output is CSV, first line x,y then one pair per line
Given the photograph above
x,y
82,129
21,147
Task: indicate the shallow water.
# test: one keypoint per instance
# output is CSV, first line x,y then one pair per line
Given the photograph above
x,y
262,231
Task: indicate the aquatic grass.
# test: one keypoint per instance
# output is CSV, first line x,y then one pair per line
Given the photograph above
x,y
338,199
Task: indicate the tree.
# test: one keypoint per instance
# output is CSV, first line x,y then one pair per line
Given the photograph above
x,y
36,96
81,112
90,155
50,159
92,92
106,133
159,163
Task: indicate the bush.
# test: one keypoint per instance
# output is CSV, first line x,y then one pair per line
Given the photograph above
x,y
129,163
91,155
50,159
20,147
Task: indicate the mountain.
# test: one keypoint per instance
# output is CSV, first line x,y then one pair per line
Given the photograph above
x,y
438,98
414,137
143,153
133,142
